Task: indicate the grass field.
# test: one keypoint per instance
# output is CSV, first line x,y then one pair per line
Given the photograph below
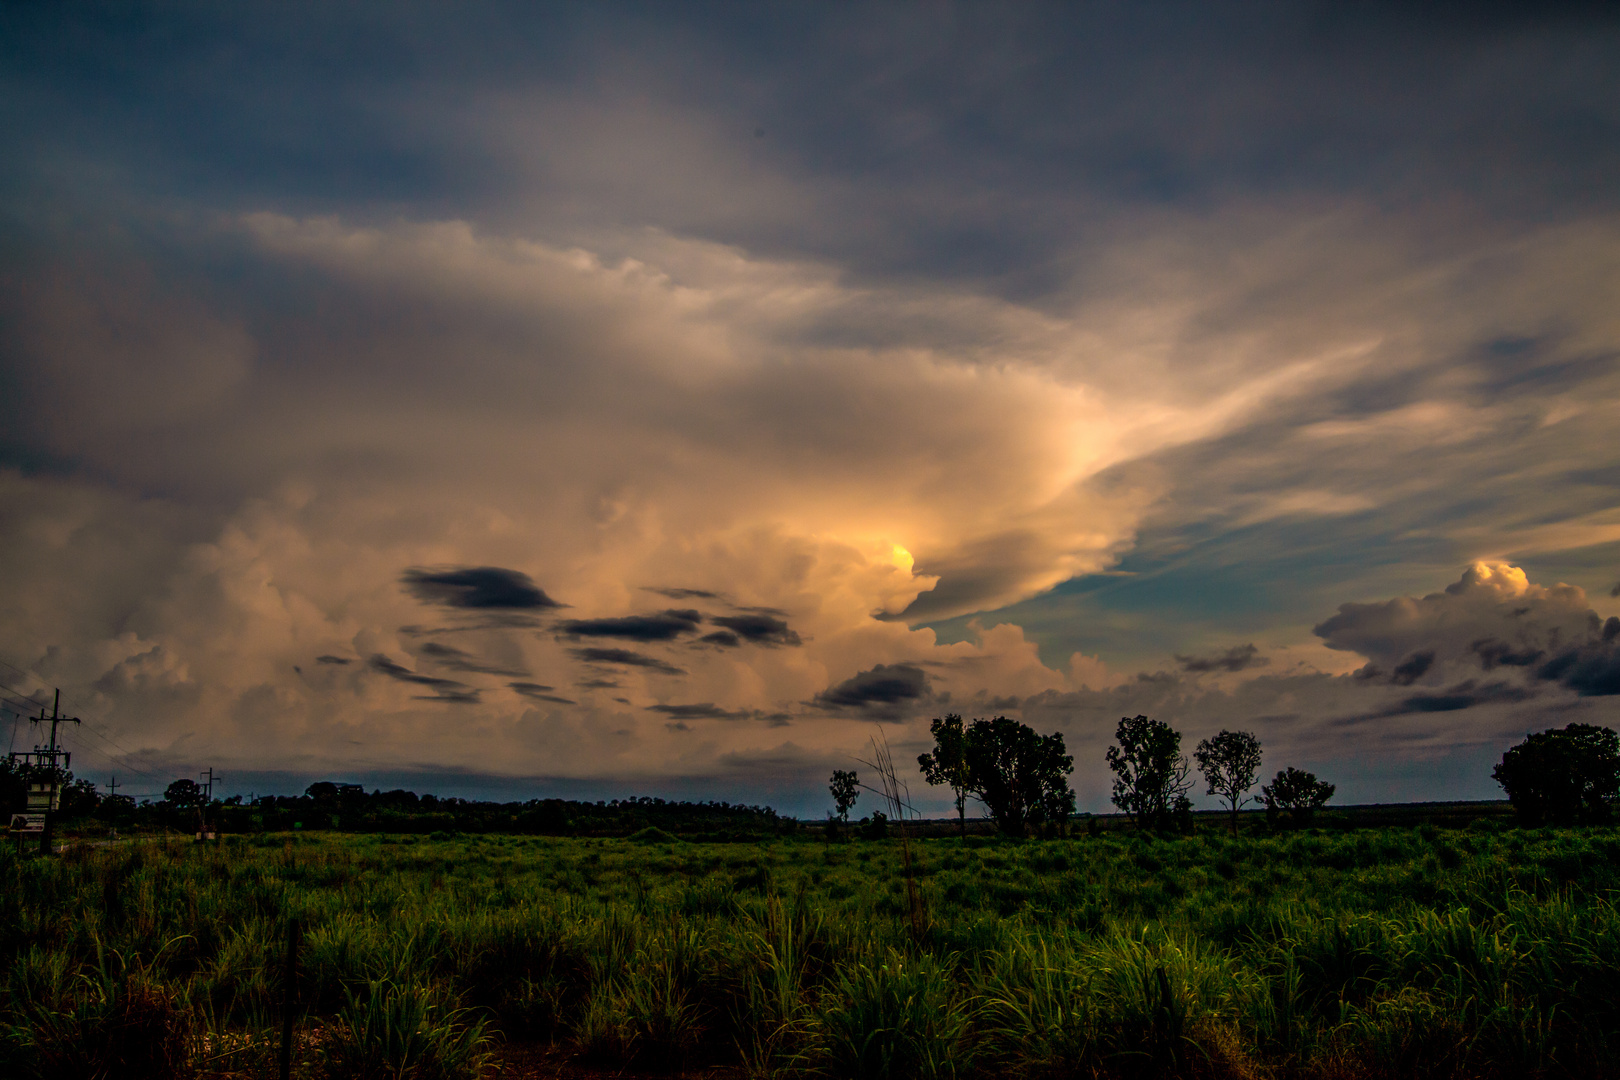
x,y
1390,951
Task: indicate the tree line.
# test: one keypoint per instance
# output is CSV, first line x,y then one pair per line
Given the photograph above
x,y
330,805
1566,775
1559,776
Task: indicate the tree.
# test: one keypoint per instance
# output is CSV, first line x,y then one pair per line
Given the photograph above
x,y
1230,762
1563,775
80,798
1020,776
1296,793
185,795
948,763
845,788
1150,773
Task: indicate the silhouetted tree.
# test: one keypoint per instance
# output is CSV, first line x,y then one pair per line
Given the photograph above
x,y
846,789
1021,777
1150,772
80,798
1563,775
1230,762
1297,794
184,795
948,763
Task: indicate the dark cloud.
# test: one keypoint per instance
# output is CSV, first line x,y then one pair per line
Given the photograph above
x,y
1464,695
455,659
476,587
758,629
664,626
881,691
1494,653
539,692
1591,669
684,594
705,711
723,638
443,689
626,658
1412,668
679,725
328,658
598,684
1237,658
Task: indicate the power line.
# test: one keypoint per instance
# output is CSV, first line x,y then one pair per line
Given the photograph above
x,y
124,752
122,760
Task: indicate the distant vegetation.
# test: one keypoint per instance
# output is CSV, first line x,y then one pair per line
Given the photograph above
x,y
350,808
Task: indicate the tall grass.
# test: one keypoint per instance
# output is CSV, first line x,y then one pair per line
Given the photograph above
x,y
393,1031
1387,952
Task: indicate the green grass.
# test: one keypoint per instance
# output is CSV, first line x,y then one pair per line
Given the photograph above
x,y
1379,952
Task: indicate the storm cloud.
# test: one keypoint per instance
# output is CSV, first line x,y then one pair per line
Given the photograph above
x,y
1029,358
663,626
758,629
884,690
480,588
540,692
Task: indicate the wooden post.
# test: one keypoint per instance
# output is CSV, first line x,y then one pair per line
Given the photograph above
x,y
289,999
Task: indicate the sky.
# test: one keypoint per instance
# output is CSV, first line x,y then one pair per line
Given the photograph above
x,y
515,400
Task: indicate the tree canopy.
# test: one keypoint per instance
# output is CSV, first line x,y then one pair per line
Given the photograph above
x,y
1150,773
845,788
1230,762
1020,776
1563,775
948,763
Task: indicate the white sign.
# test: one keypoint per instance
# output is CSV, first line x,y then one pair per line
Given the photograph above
x,y
28,823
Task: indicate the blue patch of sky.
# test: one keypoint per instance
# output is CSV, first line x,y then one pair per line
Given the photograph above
x,y
1197,586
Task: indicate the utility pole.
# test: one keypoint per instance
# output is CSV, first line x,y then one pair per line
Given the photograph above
x,y
208,802
112,793
48,765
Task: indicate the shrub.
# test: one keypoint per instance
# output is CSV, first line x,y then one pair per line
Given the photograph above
x,y
1296,796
